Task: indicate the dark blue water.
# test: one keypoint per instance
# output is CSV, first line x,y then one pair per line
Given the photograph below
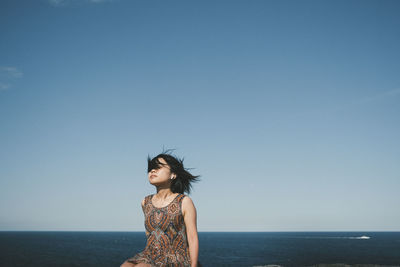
x,y
216,249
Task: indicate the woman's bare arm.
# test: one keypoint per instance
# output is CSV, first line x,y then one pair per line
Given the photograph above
x,y
190,218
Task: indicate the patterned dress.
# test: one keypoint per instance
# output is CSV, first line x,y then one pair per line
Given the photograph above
x,y
166,235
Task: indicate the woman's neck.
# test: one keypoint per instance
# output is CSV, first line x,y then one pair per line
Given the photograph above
x,y
164,193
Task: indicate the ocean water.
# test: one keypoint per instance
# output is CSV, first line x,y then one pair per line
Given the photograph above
x,y
109,249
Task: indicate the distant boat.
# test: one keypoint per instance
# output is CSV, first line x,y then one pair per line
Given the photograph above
x,y
364,237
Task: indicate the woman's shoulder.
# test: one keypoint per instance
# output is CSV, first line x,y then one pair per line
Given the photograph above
x,y
186,199
183,197
146,199
187,205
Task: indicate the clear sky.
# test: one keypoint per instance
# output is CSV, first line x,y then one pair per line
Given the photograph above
x,y
289,111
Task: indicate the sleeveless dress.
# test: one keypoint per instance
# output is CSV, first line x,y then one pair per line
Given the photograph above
x,y
167,243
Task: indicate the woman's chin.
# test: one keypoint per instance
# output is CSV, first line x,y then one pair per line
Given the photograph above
x,y
153,181
157,183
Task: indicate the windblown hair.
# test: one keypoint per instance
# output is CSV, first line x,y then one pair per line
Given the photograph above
x,y
183,180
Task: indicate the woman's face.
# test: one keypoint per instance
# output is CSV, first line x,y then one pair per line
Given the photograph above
x,y
162,175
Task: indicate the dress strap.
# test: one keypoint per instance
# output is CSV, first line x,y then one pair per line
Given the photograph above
x,y
147,199
179,200
180,197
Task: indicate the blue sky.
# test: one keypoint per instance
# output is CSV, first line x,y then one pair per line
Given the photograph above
x,y
289,111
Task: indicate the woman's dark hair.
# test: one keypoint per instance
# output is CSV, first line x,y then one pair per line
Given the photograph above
x,y
183,180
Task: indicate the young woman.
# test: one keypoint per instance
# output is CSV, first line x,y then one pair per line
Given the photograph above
x,y
170,217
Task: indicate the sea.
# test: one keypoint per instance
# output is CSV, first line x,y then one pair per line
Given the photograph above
x,y
107,249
